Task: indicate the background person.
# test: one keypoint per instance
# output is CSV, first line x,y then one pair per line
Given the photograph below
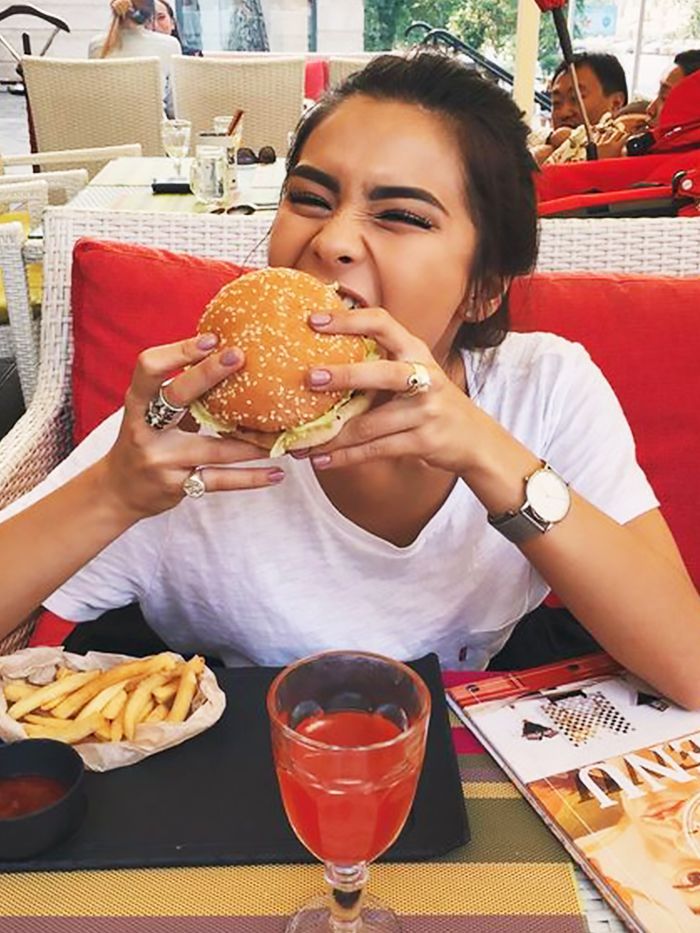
x,y
131,36
684,64
165,21
603,88
411,186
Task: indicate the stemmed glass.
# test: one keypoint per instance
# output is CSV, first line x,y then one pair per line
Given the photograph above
x,y
176,141
348,740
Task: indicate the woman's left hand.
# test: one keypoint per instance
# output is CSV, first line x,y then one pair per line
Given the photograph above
x,y
436,426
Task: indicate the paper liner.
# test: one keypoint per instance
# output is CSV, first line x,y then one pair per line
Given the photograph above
x,y
208,706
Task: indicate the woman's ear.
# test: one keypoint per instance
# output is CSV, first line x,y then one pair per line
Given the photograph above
x,y
477,306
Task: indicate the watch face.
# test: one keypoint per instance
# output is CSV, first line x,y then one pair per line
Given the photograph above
x,y
548,495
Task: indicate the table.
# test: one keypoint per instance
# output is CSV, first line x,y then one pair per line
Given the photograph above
x,y
125,184
513,877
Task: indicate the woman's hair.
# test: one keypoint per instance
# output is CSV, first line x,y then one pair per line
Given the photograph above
x,y
498,167
138,11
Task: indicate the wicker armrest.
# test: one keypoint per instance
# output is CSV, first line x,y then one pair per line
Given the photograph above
x,y
34,446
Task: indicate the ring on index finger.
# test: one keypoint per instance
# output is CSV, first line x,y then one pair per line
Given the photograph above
x,y
160,413
417,381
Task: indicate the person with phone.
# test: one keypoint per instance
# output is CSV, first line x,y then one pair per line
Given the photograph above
x,y
131,35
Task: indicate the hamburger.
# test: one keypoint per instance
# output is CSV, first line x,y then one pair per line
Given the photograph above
x,y
268,402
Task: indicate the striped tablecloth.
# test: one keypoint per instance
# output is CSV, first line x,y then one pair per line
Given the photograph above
x,y
513,877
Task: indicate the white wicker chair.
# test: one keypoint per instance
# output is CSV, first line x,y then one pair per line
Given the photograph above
x,y
78,103
18,336
62,186
95,157
270,91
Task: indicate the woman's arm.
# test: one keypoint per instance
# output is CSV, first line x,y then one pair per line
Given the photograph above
x,y
625,583
141,475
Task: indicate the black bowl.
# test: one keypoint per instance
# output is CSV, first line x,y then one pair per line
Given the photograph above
x,y
26,835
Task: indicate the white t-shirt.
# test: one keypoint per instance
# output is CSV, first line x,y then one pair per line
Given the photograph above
x,y
267,576
139,42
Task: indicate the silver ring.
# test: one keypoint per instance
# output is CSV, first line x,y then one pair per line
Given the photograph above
x,y
418,381
160,413
194,485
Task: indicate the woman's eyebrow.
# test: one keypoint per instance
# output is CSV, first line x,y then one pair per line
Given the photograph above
x,y
315,174
386,192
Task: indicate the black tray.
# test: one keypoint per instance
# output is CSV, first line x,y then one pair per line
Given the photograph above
x,y
214,800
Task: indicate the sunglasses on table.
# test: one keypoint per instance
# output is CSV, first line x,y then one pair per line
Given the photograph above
x,y
247,156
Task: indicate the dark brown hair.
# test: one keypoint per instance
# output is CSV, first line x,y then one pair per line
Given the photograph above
x,y
498,167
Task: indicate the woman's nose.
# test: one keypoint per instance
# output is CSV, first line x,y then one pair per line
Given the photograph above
x,y
339,240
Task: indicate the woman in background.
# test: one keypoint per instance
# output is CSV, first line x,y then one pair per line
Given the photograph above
x,y
131,35
165,22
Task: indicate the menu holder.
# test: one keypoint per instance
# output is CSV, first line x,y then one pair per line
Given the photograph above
x,y
214,799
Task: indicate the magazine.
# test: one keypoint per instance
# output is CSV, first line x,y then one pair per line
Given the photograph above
x,y
614,770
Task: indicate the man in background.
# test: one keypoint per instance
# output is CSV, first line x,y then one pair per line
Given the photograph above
x,y
684,64
603,87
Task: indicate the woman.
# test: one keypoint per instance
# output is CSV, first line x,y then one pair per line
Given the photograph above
x,y
165,21
131,36
412,187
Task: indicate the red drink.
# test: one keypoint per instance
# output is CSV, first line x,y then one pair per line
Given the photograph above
x,y
349,806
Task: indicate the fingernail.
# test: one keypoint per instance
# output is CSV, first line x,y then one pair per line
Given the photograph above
x,y
319,377
275,476
320,320
207,341
300,453
321,460
230,357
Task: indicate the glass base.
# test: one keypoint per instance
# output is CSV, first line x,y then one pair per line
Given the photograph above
x,y
315,917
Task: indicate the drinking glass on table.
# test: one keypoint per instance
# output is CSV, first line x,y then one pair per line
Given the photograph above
x,y
176,141
348,740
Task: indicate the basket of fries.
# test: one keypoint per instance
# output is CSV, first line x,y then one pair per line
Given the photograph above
x,y
114,709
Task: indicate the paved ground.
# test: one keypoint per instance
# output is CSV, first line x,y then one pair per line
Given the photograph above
x,y
14,138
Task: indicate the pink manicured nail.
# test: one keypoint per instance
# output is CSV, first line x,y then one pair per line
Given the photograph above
x,y
319,377
320,320
230,357
321,460
207,342
275,476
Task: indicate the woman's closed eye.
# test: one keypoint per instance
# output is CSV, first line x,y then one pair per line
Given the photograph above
x,y
308,199
403,216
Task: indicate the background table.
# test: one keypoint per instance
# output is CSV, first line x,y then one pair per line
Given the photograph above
x,y
125,184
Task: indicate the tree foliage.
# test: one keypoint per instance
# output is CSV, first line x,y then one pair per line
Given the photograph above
x,y
487,26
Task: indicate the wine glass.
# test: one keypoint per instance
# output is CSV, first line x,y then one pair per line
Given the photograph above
x,y
176,141
348,739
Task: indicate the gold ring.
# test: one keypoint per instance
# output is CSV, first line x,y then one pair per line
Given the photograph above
x,y
418,380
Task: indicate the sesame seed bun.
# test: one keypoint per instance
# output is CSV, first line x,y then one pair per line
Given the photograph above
x,y
268,402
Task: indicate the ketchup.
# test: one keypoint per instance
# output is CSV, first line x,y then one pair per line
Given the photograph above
x,y
27,793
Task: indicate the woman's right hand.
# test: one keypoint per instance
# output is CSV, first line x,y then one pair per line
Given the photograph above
x,y
145,469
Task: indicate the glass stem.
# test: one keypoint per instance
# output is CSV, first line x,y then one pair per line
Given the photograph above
x,y
347,888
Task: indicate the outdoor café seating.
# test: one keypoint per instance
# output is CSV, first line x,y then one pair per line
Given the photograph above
x,y
77,104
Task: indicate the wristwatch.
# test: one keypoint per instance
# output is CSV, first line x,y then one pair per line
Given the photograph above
x,y
547,502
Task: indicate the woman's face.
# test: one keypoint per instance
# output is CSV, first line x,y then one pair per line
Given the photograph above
x,y
377,203
163,21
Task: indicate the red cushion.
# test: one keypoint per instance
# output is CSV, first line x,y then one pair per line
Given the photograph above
x,y
126,298
644,333
50,630
315,77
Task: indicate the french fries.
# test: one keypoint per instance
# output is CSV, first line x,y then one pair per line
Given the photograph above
x,y
108,705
